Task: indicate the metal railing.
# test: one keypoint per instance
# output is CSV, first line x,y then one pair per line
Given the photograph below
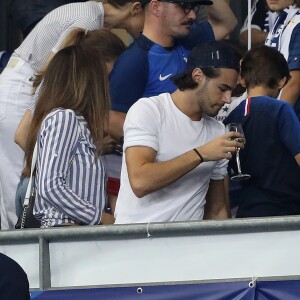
x,y
116,232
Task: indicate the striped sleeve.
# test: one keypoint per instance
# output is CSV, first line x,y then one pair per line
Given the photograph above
x,y
84,23
58,137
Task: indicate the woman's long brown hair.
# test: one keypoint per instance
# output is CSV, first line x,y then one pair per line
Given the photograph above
x,y
76,79
109,47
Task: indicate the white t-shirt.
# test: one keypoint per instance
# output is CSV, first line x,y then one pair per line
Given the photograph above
x,y
157,123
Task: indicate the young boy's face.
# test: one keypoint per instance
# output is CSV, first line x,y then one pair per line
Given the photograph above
x,y
279,5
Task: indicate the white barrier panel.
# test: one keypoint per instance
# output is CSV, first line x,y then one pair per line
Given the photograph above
x,y
173,259
27,255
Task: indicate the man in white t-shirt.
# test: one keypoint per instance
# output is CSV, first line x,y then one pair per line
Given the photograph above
x,y
175,153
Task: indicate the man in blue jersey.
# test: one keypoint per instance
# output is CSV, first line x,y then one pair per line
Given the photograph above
x,y
161,51
272,132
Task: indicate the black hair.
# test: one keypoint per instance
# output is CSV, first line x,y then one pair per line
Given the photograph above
x,y
184,81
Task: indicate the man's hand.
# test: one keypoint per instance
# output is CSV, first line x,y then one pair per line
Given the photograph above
x,y
221,147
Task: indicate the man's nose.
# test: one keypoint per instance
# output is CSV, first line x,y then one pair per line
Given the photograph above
x,y
192,14
227,97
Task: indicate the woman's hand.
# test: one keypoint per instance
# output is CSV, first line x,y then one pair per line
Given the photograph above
x,y
107,219
110,146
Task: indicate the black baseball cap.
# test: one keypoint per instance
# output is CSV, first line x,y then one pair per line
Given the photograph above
x,y
199,2
214,54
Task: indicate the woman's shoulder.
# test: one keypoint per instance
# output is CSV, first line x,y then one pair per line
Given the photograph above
x,y
60,116
60,113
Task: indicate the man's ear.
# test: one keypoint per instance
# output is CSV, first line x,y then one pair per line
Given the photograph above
x,y
136,9
197,75
282,82
154,7
242,81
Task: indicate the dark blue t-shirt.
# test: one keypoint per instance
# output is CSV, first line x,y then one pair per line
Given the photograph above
x,y
145,68
272,132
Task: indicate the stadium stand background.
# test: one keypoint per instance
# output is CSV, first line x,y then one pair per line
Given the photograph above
x,y
11,35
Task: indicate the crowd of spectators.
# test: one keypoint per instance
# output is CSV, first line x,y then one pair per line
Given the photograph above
x,y
136,135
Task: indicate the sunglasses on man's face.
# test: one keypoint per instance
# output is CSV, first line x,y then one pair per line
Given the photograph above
x,y
186,7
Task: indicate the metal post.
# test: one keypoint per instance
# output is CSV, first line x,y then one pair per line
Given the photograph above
x,y
249,23
44,264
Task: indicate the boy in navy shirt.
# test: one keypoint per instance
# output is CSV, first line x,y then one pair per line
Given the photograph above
x,y
272,131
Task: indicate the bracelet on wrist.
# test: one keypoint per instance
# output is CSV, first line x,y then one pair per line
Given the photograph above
x,y
200,156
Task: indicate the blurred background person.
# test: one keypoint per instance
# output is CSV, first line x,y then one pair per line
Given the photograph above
x,y
262,20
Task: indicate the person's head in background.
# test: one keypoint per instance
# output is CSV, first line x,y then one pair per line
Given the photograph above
x,y
212,73
280,5
124,14
172,19
264,71
239,51
77,79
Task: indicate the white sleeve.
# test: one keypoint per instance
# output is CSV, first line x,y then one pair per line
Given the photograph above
x,y
142,125
220,170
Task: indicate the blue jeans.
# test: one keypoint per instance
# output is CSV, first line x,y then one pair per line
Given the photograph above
x,y
20,194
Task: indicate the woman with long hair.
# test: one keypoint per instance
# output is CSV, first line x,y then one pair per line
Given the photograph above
x,y
109,47
68,126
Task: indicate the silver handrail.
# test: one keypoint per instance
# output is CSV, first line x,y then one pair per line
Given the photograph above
x,y
114,232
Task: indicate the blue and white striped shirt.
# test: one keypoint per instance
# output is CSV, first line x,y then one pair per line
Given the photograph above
x,y
71,184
